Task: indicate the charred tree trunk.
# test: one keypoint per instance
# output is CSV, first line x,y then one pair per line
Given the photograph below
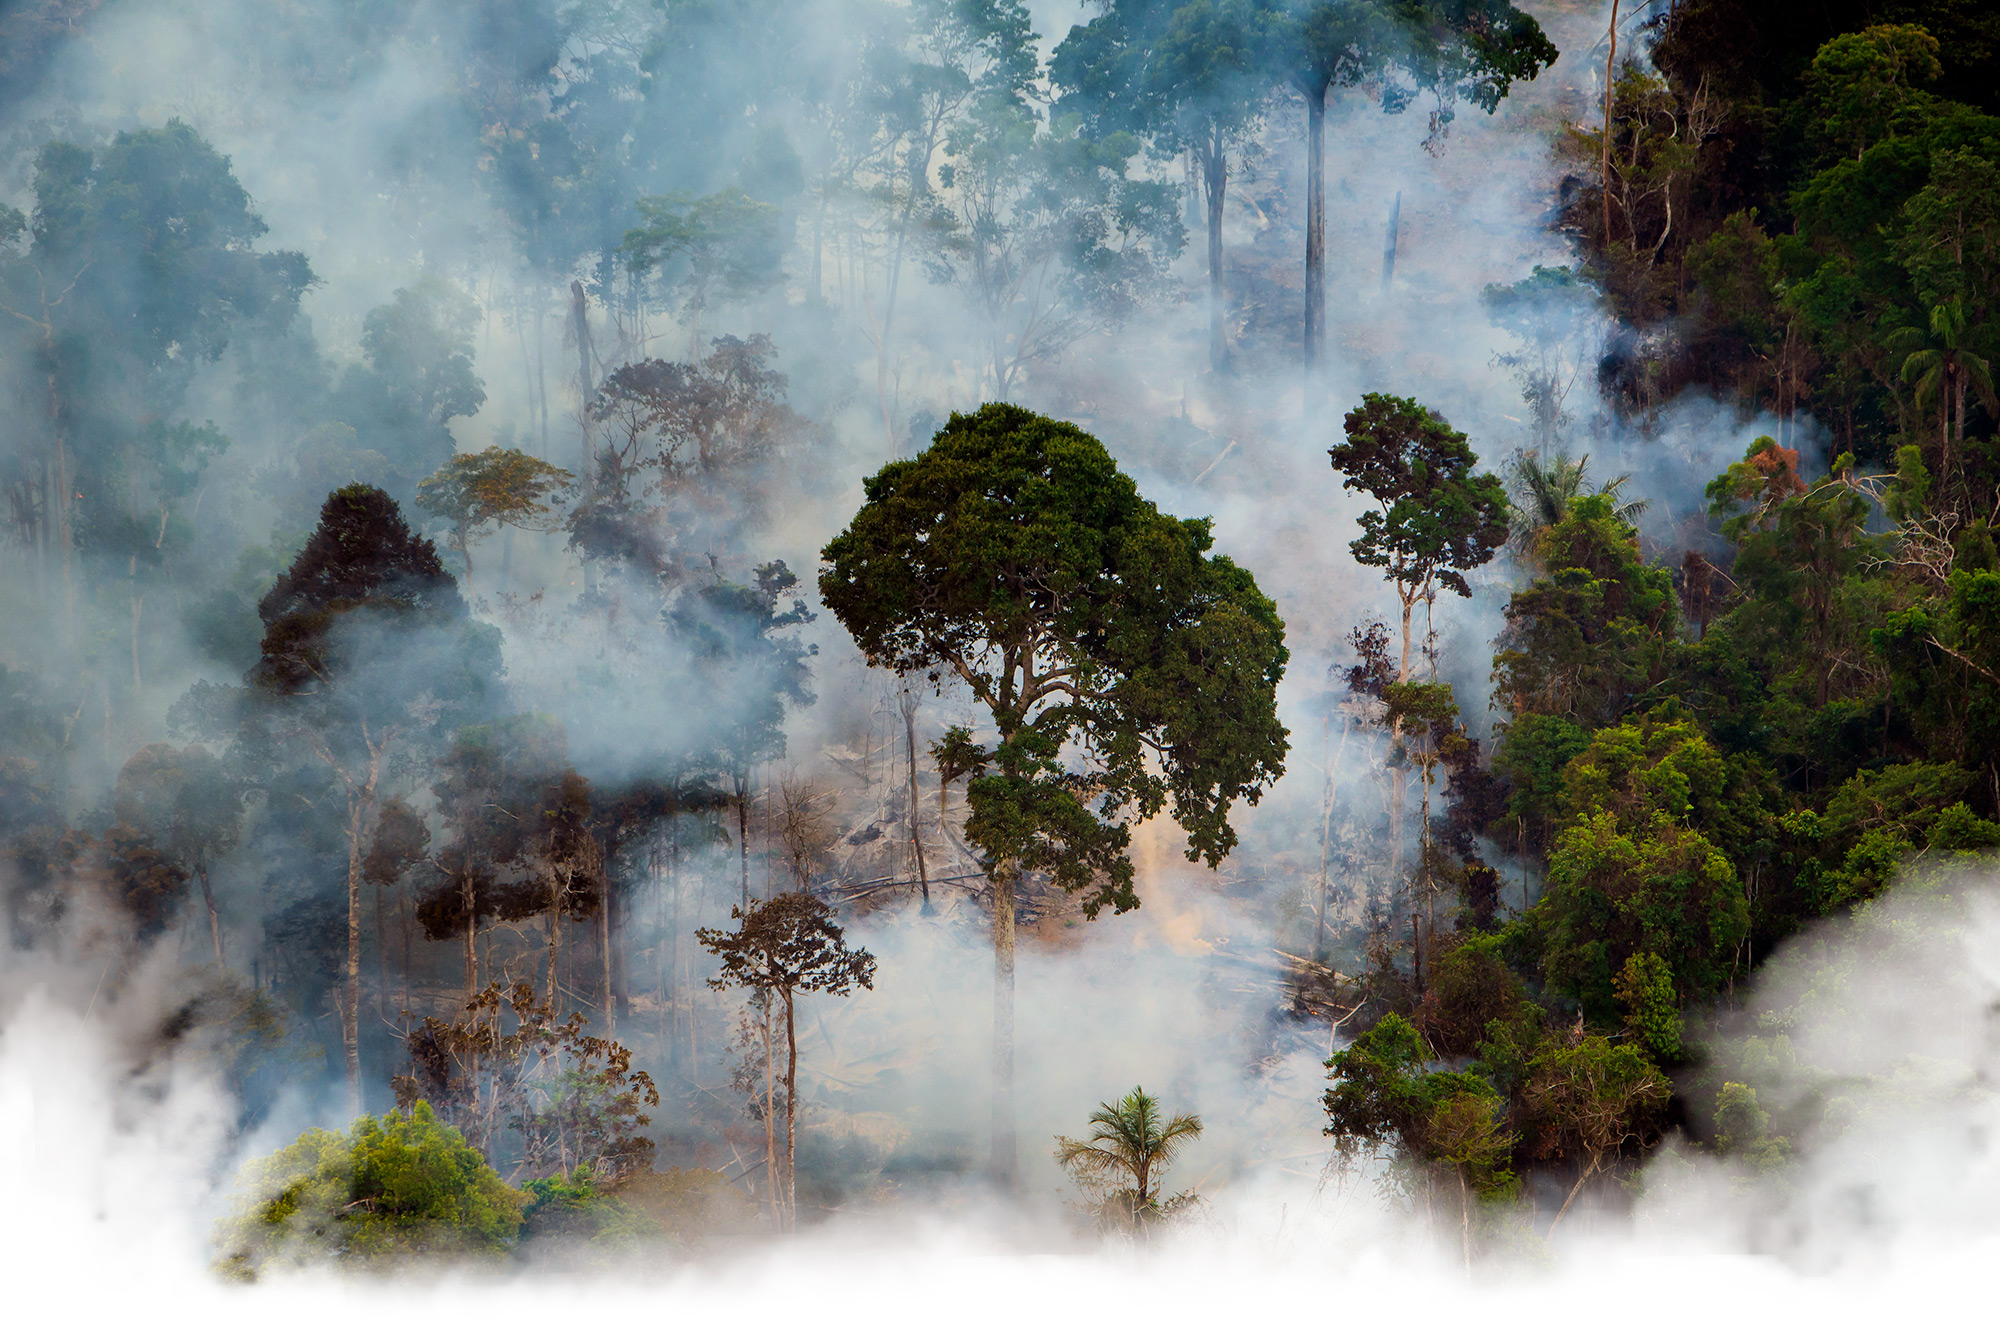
x,y
1215,189
1315,322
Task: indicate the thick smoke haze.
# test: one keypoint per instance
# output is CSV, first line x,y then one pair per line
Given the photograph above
x,y
381,151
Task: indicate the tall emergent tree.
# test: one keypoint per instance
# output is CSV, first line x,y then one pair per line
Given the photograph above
x,y
1433,518
1122,665
1450,49
367,646
780,947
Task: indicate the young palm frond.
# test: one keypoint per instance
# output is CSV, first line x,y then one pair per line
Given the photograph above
x,y
1129,1149
1542,493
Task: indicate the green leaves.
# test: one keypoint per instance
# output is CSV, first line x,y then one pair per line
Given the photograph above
x,y
1434,518
385,1192
1123,667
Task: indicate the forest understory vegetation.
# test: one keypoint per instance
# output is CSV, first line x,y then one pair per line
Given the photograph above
x,y
557,724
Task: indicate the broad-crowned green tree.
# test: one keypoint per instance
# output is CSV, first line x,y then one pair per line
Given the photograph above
x,y
1185,77
1431,519
493,488
1124,1162
1385,1093
1649,808
1448,49
1124,669
367,649
781,947
1584,639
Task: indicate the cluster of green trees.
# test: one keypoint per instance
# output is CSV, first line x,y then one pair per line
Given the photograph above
x,y
1796,206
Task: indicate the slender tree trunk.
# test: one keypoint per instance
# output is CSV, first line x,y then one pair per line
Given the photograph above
x,y
469,897
604,947
138,603
1215,186
909,705
1389,243
1398,777
350,1005
208,900
1315,324
1604,170
403,911
381,958
1003,1024
771,1167
1326,838
579,308
743,832
791,1116
1570,1199
555,931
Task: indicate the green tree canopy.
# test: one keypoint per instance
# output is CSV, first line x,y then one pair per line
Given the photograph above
x,y
492,488
1432,518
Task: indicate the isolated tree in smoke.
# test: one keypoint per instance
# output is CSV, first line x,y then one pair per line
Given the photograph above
x,y
1124,1161
367,648
493,488
782,946
1122,666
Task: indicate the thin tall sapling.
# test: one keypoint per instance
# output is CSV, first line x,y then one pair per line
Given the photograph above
x,y
780,947
1122,666
1432,518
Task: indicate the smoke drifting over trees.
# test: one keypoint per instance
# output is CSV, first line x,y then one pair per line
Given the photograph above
x,y
600,594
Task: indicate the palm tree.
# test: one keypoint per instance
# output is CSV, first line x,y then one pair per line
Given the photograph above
x,y
1543,492
1125,1157
1943,367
